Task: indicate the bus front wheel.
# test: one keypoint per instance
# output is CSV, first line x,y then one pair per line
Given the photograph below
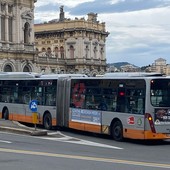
x,y
47,121
117,131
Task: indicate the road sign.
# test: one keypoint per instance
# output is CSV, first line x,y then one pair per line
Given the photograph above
x,y
33,105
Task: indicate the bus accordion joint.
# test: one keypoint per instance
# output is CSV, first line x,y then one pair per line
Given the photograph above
x,y
151,123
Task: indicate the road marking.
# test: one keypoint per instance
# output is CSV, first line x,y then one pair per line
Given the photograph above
x,y
88,158
68,139
82,142
4,141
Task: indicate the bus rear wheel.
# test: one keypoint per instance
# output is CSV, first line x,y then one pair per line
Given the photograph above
x,y
6,114
117,131
47,121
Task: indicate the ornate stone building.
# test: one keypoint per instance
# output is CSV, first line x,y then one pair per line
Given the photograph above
x,y
160,66
17,35
71,46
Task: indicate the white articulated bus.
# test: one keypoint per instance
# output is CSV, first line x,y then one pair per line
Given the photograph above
x,y
123,105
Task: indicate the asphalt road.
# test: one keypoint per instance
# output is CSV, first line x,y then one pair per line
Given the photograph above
x,y
70,151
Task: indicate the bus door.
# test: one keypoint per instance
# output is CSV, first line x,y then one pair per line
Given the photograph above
x,y
63,97
160,101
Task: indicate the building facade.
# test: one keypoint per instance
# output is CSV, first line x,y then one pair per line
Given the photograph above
x,y
160,66
17,35
71,46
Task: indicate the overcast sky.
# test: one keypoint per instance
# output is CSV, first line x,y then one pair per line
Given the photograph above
x,y
139,29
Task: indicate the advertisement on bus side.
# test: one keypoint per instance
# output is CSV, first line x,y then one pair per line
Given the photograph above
x,y
86,116
162,116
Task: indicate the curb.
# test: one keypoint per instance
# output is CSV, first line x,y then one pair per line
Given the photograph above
x,y
38,133
16,130
25,130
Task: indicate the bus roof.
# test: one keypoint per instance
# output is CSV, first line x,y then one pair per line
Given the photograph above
x,y
33,75
48,76
18,75
132,74
119,75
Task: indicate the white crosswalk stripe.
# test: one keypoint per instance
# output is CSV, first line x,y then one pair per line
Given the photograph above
x,y
4,141
64,138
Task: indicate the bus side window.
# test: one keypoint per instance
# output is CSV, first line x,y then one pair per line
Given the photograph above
x,y
121,100
120,104
103,104
135,101
91,101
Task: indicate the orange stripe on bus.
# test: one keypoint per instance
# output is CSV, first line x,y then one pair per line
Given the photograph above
x,y
85,127
54,122
133,134
0,115
141,134
150,135
21,118
28,119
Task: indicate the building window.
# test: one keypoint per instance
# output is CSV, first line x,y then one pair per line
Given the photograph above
x,y
56,52
27,69
43,50
42,70
2,7
26,32
95,52
53,70
49,50
3,28
43,42
71,51
8,68
101,53
9,8
55,41
62,52
86,51
10,28
71,34
48,42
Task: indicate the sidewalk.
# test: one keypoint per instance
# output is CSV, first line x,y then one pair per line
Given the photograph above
x,y
16,127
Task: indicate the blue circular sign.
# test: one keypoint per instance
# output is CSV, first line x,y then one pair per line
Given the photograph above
x,y
33,105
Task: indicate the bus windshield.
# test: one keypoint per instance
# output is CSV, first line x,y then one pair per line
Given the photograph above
x,y
160,92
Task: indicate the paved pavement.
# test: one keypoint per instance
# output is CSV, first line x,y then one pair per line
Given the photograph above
x,y
16,127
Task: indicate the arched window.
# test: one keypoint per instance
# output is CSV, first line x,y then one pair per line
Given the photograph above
x,y
7,68
62,52
48,50
26,32
71,51
56,51
43,50
27,69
